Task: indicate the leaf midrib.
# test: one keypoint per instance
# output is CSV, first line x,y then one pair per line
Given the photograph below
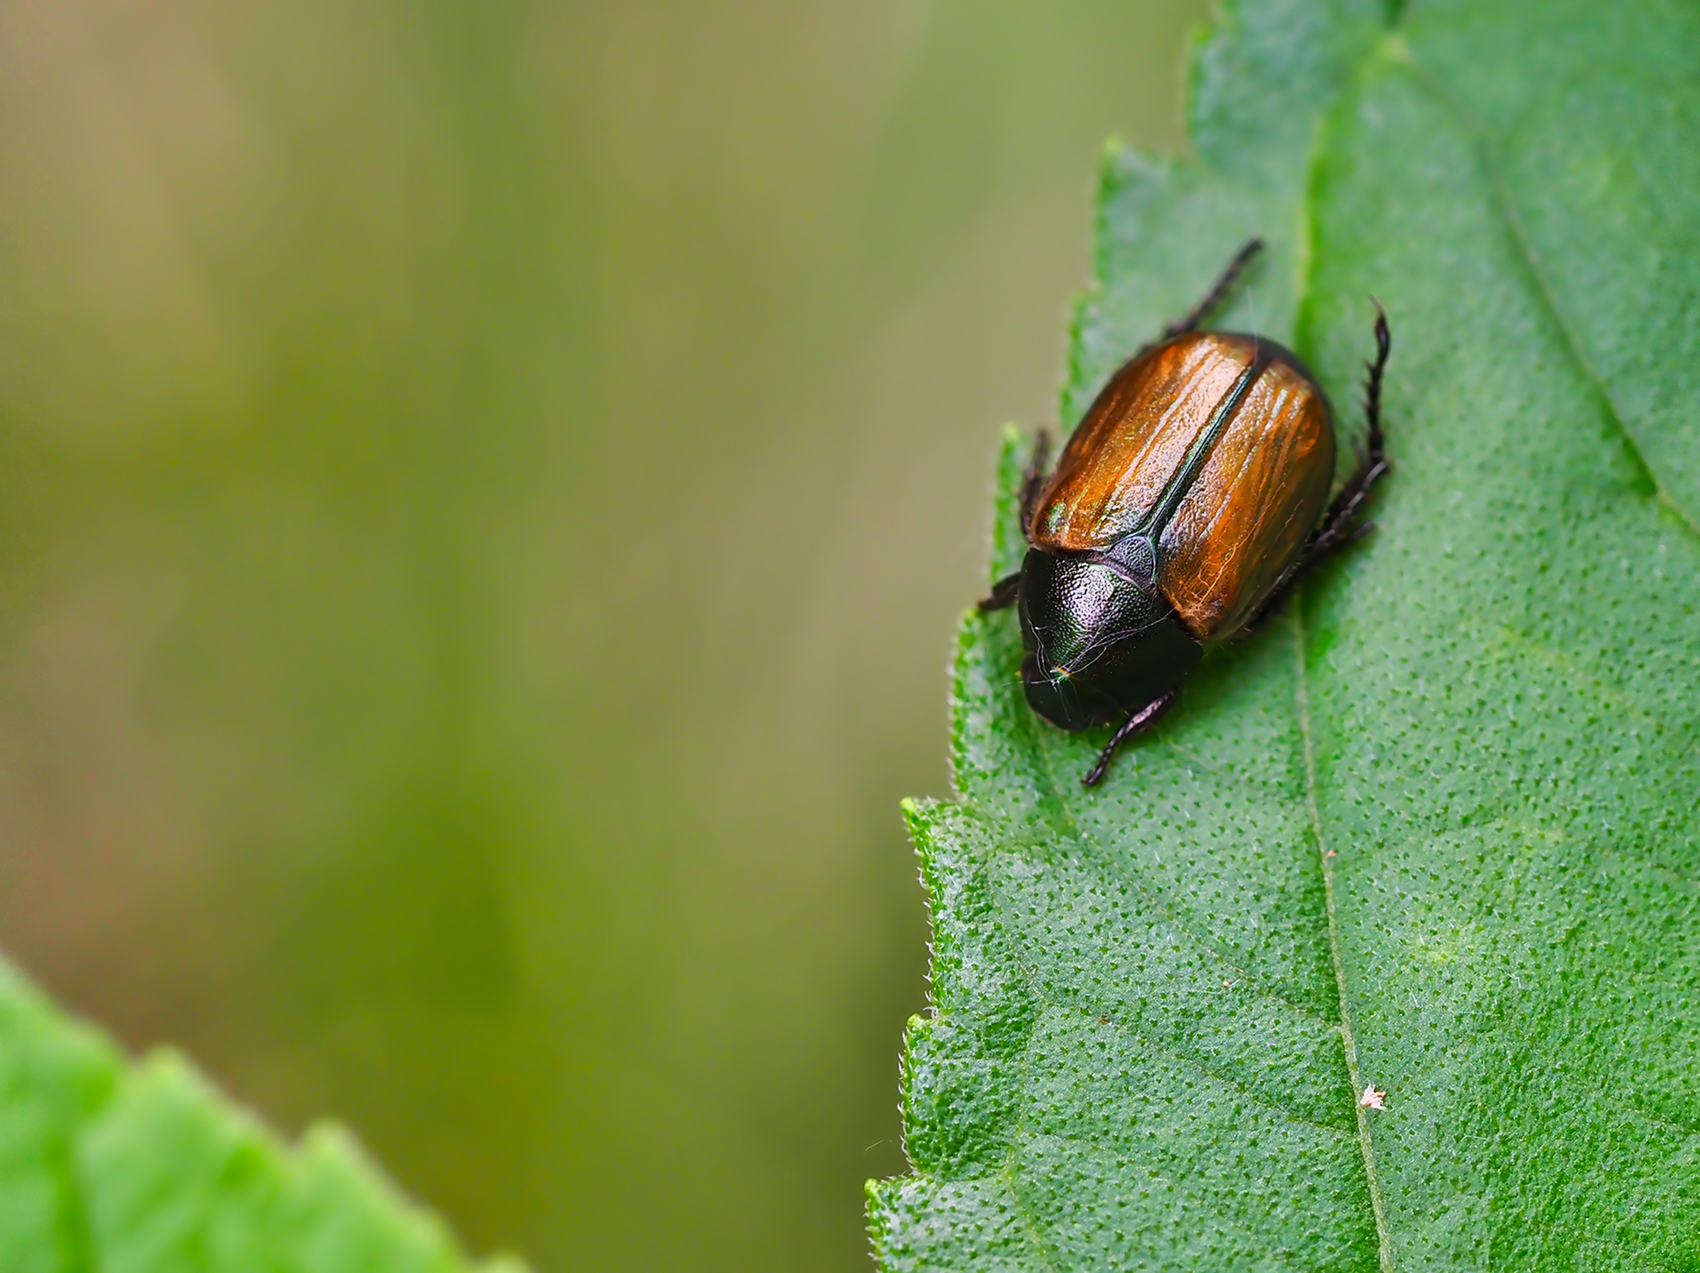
x,y
1301,705
1366,1148
1538,287
1301,695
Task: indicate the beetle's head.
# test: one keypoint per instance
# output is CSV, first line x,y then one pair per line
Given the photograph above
x,y
1100,643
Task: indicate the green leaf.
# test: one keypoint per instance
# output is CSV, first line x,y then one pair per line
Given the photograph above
x,y
115,1168
1436,827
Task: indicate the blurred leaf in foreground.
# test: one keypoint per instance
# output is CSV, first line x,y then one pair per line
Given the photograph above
x,y
143,1169
1435,831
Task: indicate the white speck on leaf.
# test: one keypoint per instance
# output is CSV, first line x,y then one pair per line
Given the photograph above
x,y
1372,1099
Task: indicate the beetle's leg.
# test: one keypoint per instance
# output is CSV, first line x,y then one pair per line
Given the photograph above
x,y
1140,721
1033,480
1336,526
1002,595
1214,296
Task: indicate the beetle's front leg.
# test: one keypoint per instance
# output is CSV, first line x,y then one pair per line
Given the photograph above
x,y
1139,722
1002,595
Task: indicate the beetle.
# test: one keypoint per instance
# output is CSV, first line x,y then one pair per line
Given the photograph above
x,y
1191,494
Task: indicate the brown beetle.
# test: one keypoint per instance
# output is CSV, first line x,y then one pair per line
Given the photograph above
x,y
1190,495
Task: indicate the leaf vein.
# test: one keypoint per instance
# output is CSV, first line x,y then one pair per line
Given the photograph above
x,y
1529,259
1193,1063
1210,949
1366,1146
1253,1242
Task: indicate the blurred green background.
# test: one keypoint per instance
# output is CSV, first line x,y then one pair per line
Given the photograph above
x,y
485,492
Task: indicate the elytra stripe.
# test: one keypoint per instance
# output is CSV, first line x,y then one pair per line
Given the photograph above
x,y
1181,482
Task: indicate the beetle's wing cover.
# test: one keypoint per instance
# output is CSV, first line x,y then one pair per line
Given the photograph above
x,y
1248,513
1133,439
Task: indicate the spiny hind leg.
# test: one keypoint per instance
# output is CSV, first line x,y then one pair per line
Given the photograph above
x,y
1003,592
1215,295
1337,528
1033,480
1337,525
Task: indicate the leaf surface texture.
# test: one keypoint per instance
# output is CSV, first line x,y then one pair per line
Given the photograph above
x,y
1435,829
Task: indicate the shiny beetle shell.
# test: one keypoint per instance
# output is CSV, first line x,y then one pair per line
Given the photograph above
x,y
1255,497
1193,490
